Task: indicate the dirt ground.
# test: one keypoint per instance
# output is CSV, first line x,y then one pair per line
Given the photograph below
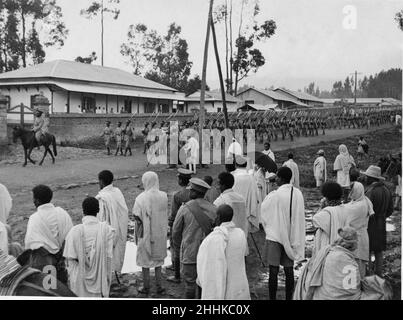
x,y
69,194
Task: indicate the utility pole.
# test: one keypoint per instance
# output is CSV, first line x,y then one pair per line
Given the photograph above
x,y
355,86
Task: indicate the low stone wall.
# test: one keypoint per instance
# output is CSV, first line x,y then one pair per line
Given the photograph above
x,y
79,129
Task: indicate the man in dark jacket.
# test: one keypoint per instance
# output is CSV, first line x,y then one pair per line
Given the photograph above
x,y
381,198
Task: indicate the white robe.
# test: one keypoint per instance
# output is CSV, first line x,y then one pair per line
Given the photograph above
x,y
113,210
246,186
192,149
221,264
151,207
295,172
47,228
3,238
319,170
5,203
270,154
278,225
88,252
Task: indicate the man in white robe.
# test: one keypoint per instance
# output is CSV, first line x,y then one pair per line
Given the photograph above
x,y
46,231
319,169
268,152
151,213
5,204
246,186
283,219
290,163
192,150
220,261
113,210
88,252
234,200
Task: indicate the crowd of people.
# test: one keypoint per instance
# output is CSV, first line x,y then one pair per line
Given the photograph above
x,y
211,232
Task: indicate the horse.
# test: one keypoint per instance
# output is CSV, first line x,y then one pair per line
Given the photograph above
x,y
29,282
29,142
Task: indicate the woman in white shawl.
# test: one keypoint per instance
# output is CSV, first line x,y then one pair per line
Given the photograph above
x,y
151,214
330,218
342,165
333,274
359,210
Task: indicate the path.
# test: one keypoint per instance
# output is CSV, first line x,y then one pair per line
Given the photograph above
x,y
79,170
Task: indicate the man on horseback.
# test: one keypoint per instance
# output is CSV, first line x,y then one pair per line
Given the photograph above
x,y
39,125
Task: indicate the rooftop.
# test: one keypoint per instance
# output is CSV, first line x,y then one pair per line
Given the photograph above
x,y
70,70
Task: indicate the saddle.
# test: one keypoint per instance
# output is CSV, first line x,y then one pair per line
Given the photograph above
x,y
9,284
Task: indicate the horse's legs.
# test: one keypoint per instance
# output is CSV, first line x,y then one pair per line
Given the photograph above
x,y
44,155
29,154
51,154
25,157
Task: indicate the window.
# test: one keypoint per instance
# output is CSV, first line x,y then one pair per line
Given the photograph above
x,y
149,107
88,105
8,103
128,106
250,102
218,109
164,108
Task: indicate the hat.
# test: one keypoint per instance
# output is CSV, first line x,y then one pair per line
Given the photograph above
x,y
199,185
321,152
184,173
240,160
270,175
374,172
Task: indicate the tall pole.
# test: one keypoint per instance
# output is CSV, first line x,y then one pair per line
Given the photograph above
x,y
102,33
355,86
217,57
204,71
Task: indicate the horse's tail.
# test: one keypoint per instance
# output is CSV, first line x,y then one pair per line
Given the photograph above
x,y
54,146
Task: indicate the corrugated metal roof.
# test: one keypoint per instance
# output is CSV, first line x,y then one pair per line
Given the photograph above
x,y
272,94
63,69
212,96
300,95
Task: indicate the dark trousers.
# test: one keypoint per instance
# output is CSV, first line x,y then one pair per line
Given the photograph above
x,y
189,274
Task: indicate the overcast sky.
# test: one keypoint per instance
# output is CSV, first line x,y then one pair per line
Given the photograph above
x,y
310,43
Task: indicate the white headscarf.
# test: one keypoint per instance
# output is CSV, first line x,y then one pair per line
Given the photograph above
x,y
357,194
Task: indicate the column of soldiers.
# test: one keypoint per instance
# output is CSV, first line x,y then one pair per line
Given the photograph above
x,y
268,126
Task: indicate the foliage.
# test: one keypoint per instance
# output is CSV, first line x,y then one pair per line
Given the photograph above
x,y
26,28
399,19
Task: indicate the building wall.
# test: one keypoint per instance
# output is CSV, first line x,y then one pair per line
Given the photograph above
x,y
212,107
23,95
256,97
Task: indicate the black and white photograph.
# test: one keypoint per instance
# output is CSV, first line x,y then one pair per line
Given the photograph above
x,y
179,151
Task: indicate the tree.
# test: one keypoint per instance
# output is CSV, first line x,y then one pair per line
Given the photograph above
x,y
348,92
90,59
99,8
164,59
194,84
399,19
311,88
27,26
338,90
243,57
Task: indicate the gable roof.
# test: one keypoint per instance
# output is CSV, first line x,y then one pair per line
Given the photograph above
x,y
278,96
212,96
300,95
70,70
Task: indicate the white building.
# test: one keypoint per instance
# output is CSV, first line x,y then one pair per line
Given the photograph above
x,y
74,87
213,102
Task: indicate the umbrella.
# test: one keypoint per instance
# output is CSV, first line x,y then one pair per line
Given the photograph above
x,y
265,162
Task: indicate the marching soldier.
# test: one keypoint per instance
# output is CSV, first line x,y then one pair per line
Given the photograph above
x,y
118,138
145,133
107,134
128,137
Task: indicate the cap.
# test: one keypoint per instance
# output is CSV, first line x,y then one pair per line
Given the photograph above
x,y
184,173
321,152
198,185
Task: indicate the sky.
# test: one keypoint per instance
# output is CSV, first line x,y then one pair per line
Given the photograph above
x,y
314,41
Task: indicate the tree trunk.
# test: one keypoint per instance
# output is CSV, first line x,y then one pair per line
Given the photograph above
x,y
204,72
24,48
226,48
102,33
217,56
231,51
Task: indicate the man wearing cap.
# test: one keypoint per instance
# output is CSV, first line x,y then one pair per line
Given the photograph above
x,y
38,125
193,223
381,199
118,138
180,198
107,134
319,169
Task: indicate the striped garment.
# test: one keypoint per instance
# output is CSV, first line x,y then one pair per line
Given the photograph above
x,y
8,264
